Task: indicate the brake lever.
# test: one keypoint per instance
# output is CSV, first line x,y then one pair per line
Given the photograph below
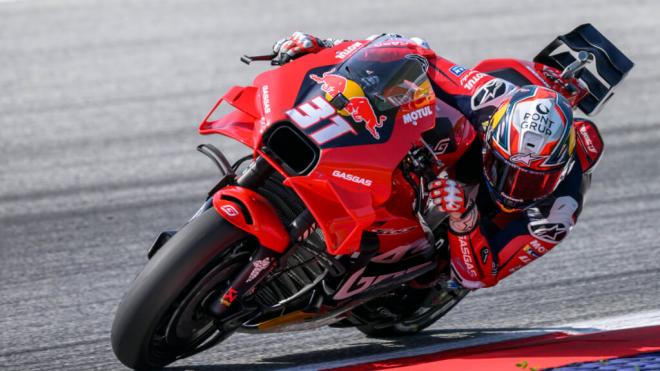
x,y
266,57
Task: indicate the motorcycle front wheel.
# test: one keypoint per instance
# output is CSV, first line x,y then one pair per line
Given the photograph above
x,y
162,317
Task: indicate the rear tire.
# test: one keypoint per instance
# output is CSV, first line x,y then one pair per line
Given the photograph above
x,y
197,257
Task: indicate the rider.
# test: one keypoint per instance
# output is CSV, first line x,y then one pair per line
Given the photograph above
x,y
534,165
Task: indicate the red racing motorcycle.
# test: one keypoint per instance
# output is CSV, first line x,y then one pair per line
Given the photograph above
x,y
326,223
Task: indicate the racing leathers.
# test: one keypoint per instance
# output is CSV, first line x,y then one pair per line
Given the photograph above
x,y
487,243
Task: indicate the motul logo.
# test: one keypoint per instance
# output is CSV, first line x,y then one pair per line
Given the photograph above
x,y
413,116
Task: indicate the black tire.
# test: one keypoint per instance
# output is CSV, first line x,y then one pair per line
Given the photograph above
x,y
417,321
170,279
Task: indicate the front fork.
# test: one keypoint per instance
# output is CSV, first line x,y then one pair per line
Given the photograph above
x,y
251,212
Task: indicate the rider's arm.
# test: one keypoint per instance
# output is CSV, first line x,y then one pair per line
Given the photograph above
x,y
476,95
492,248
485,250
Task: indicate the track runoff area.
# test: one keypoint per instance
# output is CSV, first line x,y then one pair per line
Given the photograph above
x,y
630,342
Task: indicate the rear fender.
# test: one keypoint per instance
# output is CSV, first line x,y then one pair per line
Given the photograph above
x,y
252,213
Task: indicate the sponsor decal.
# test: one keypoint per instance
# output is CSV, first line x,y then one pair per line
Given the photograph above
x,y
358,107
357,283
489,92
352,178
467,256
310,113
395,255
557,224
538,247
526,158
457,70
361,110
394,42
229,210
341,54
229,297
550,232
258,266
413,116
542,109
538,121
472,78
315,111
528,249
330,83
265,98
484,254
525,259
584,133
393,231
442,146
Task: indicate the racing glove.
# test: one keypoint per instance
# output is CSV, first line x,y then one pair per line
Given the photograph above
x,y
472,263
449,197
299,44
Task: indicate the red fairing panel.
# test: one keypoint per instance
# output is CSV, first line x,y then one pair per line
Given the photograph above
x,y
240,123
536,74
252,213
590,144
463,131
351,188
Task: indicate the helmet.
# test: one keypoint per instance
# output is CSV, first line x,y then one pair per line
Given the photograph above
x,y
529,145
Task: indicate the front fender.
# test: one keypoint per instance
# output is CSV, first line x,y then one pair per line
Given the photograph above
x,y
251,212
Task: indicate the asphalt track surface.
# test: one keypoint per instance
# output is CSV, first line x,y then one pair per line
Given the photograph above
x,y
99,105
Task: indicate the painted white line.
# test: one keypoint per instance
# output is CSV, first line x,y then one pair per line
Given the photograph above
x,y
642,319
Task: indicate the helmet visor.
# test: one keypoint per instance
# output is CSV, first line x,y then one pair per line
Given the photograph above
x,y
516,185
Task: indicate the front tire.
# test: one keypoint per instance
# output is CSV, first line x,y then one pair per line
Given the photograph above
x,y
158,321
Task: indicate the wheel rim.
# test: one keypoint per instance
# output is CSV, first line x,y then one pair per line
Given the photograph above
x,y
187,328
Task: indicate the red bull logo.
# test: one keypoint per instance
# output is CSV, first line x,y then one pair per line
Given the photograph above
x,y
330,83
358,106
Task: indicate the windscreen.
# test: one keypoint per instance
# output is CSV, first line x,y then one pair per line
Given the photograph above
x,y
390,72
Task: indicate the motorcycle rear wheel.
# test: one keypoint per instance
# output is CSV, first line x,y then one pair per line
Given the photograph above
x,y
161,318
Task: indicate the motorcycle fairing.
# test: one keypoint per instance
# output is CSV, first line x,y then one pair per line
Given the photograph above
x,y
253,213
239,124
521,72
342,207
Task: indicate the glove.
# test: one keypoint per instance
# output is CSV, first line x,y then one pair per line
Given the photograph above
x,y
298,44
449,197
